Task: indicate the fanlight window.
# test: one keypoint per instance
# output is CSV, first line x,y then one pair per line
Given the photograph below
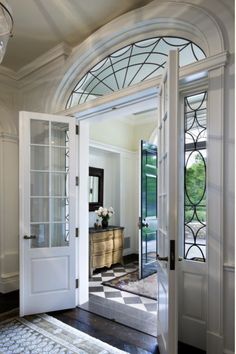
x,y
130,65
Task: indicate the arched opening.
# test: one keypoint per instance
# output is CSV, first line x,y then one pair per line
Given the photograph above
x,y
199,29
131,65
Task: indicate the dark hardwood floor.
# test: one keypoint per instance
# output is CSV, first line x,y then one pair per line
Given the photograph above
x,y
9,301
108,331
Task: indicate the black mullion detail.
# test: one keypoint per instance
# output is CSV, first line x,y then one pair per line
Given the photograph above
x,y
69,101
127,68
114,73
201,103
200,145
159,66
191,44
100,82
143,62
94,67
195,207
175,45
101,66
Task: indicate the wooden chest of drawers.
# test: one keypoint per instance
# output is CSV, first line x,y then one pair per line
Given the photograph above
x,y
105,247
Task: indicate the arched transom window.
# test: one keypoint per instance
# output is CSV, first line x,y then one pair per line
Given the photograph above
x,y
130,65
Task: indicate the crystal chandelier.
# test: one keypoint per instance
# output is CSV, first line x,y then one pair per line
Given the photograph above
x,y
6,26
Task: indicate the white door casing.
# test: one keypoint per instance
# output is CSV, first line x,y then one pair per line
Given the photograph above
x,y
47,212
168,207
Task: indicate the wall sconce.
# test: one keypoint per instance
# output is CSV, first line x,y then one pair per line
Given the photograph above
x,y
6,27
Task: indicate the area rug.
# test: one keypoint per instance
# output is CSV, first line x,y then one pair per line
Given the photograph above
x,y
146,287
45,334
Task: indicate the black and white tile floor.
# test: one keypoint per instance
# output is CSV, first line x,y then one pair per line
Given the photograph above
x,y
123,297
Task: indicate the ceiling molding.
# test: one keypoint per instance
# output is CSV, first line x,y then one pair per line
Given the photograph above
x,y
61,49
8,73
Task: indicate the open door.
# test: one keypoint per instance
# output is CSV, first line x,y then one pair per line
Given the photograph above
x,y
168,207
148,210
47,212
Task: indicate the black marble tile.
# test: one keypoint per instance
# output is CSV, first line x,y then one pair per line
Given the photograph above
x,y
151,307
111,294
108,274
96,279
119,270
95,289
132,300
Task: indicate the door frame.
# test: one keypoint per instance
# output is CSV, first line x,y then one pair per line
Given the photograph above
x,y
212,70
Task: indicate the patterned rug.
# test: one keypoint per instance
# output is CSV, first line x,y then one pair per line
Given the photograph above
x,y
45,334
146,287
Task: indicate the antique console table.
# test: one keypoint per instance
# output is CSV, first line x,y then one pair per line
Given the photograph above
x,y
105,247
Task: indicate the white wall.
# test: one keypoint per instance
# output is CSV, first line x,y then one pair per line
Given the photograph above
x,y
120,189
110,163
9,245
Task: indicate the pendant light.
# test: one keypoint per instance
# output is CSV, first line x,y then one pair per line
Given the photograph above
x,y
6,27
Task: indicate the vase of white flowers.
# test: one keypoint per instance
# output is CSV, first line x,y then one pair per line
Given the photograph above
x,y
105,214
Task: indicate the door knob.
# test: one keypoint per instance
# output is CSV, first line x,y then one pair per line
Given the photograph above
x,y
162,258
144,224
31,237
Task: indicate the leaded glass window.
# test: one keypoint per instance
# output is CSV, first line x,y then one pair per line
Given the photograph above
x,y
195,196
130,65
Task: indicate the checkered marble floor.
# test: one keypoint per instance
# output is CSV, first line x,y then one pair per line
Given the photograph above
x,y
123,297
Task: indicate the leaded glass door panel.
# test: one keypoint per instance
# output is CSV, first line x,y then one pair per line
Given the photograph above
x,y
47,212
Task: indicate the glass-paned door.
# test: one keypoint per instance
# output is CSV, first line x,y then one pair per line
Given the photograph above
x,y
148,218
47,212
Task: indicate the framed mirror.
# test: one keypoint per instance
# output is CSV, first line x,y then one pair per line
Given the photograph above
x,y
96,176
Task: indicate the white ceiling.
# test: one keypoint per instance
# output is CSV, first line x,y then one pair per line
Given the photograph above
x,y
39,25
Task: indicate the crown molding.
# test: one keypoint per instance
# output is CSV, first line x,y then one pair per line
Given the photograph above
x,y
8,73
61,50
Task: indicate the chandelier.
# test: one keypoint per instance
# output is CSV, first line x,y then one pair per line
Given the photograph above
x,y
6,26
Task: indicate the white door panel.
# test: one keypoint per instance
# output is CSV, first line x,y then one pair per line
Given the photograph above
x,y
47,212
168,206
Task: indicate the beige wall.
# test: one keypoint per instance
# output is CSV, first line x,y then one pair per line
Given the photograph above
x,y
118,133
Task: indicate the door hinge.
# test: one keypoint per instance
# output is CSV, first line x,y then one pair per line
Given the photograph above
x,y
77,130
77,180
76,232
76,283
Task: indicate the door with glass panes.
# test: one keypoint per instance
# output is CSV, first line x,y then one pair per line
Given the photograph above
x,y
47,212
148,210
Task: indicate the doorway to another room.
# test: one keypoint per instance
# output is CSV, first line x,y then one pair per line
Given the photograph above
x,y
115,288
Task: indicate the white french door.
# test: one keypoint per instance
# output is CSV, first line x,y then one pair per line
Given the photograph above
x,y
47,212
168,207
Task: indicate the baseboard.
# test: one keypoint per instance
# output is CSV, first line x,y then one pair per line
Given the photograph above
x,y
9,283
214,343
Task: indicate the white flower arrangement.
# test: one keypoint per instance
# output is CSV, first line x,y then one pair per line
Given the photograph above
x,y
105,213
